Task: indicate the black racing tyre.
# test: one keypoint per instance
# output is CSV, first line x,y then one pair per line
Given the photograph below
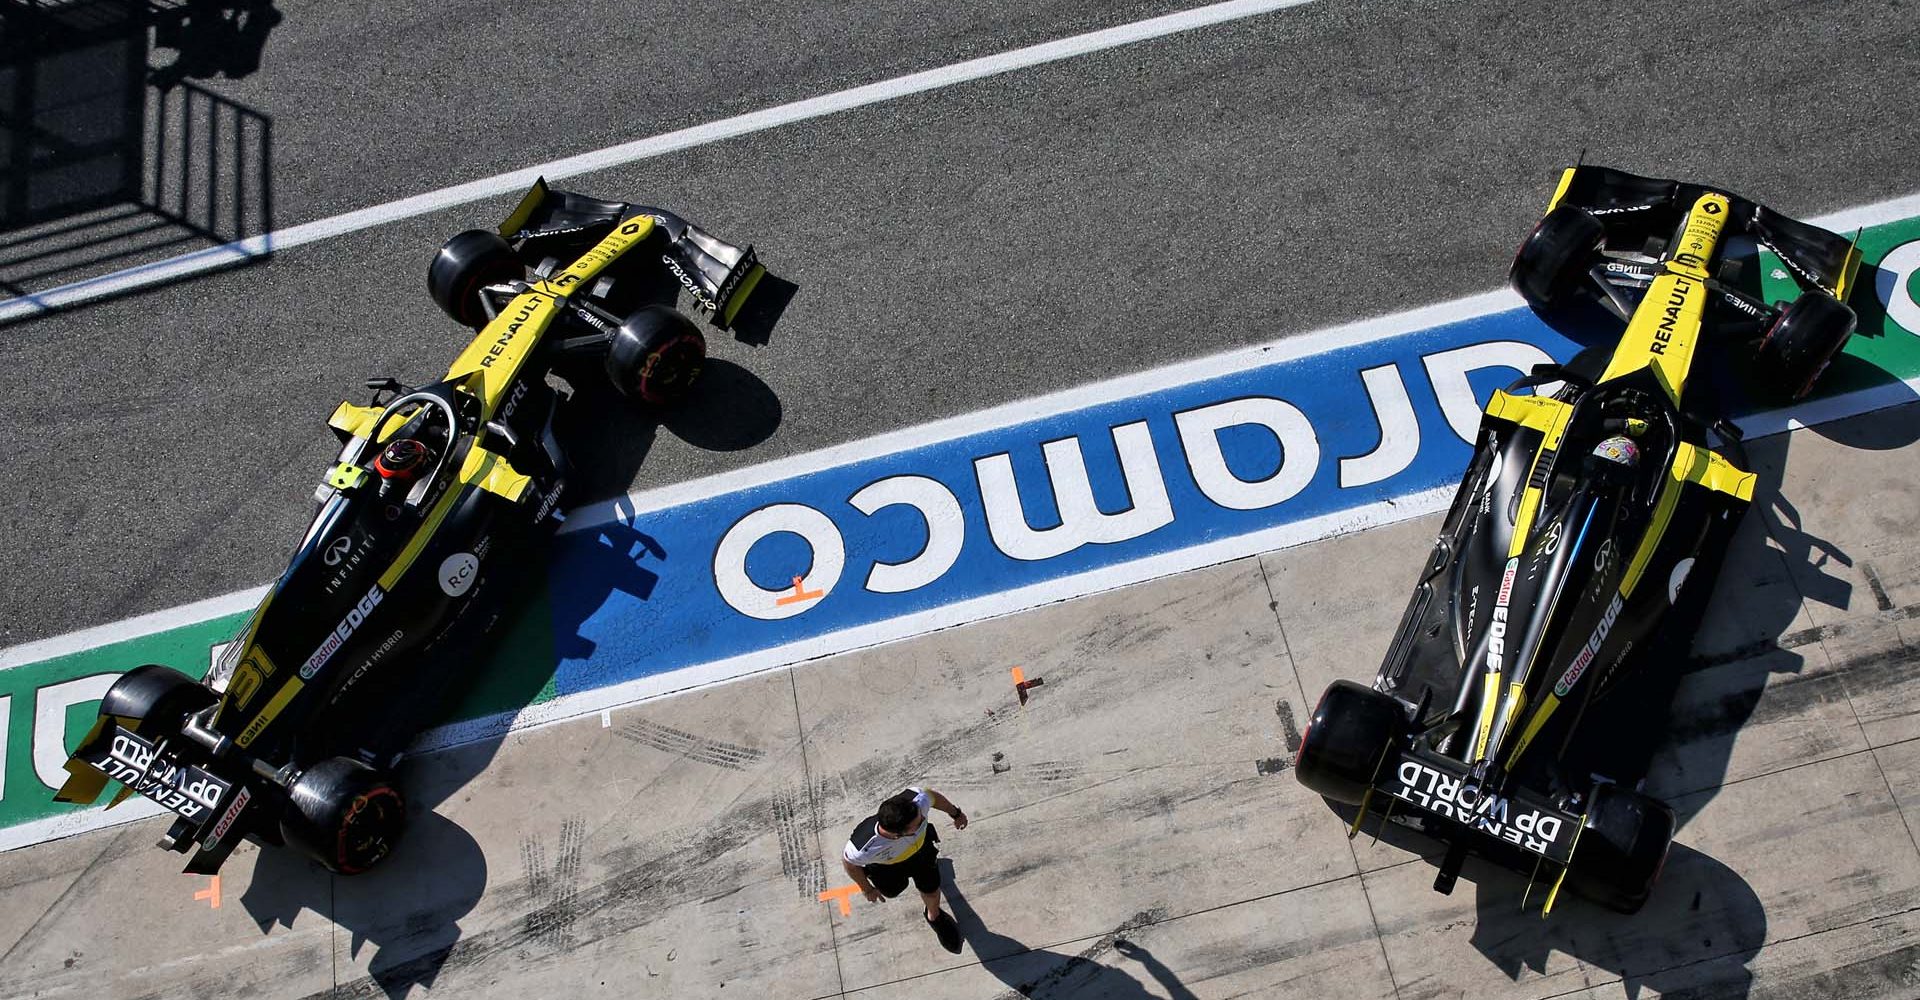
x,y
1802,340
156,698
467,263
1550,268
656,356
344,814
1620,853
1350,730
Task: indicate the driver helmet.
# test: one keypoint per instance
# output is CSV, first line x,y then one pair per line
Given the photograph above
x,y
401,460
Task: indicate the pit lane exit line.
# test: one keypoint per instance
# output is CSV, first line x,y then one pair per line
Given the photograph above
x,y
513,182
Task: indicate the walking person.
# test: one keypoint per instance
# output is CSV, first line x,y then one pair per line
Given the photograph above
x,y
896,845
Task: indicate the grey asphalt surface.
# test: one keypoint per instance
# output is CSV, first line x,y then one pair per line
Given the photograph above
x,y
955,249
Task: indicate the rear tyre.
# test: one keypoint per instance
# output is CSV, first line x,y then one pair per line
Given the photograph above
x,y
467,263
344,814
1802,340
158,699
1550,268
1350,730
656,356
1620,853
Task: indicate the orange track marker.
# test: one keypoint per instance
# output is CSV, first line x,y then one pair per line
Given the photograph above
x,y
1021,684
211,892
800,593
844,895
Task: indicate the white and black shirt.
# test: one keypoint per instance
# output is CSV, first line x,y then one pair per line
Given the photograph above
x,y
868,846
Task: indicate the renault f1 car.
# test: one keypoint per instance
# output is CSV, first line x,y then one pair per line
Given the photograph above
x,y
438,492
1581,520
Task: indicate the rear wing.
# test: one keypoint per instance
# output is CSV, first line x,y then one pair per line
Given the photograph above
x,y
209,806
1443,789
1624,201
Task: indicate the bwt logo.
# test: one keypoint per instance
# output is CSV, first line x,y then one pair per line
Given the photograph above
x,y
1081,520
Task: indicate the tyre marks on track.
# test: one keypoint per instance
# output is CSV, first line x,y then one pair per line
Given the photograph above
x,y
797,860
553,891
681,743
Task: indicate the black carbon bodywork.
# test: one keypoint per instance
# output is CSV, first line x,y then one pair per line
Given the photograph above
x,y
425,525
1584,518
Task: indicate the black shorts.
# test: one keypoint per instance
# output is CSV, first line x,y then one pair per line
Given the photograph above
x,y
922,869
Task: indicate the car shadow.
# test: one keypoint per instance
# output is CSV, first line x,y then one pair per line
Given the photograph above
x,y
1672,731
609,438
409,909
1050,975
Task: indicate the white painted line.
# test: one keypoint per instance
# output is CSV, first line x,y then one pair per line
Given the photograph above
x,y
516,181
1301,345
604,700
1079,397
1239,359
73,824
131,628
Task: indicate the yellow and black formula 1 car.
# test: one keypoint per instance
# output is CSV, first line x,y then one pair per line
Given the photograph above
x,y
1579,523
439,492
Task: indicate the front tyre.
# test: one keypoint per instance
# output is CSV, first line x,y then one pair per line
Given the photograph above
x,y
344,814
1802,340
467,263
656,356
1350,731
1550,268
1620,852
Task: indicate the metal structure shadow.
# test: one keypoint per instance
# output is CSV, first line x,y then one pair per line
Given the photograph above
x,y
110,164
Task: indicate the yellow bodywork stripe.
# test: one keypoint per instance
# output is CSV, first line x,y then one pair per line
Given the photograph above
x,y
1558,882
476,464
1534,724
1666,327
1566,181
1691,464
1489,702
741,294
268,714
246,644
84,783
1531,497
1537,412
1848,268
516,220
481,468
1516,695
357,421
489,364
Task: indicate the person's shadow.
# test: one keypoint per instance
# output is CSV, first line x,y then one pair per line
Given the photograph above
x,y
1052,975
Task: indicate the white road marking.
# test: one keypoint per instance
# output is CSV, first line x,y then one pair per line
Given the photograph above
x,y
604,700
241,251
1089,395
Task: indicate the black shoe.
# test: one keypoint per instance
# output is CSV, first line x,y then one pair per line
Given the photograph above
x,y
948,931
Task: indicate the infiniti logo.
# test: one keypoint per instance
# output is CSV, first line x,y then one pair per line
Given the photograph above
x,y
337,551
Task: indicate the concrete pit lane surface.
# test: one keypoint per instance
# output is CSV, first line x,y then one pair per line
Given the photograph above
x,y
1136,830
